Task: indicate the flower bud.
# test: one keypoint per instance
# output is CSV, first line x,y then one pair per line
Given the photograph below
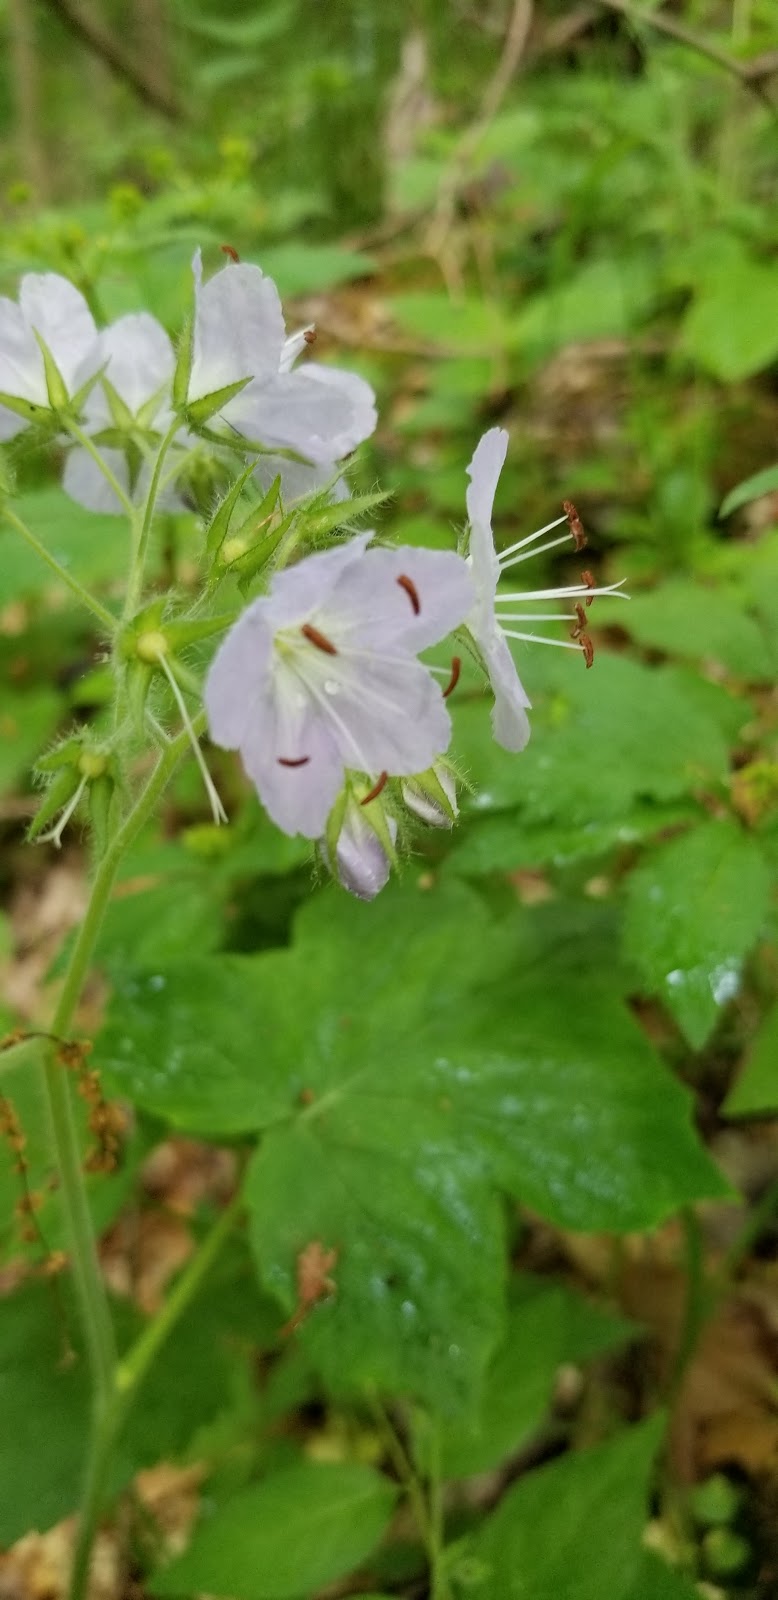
x,y
362,865
432,796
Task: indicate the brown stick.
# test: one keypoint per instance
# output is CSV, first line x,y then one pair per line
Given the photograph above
x,y
749,73
93,33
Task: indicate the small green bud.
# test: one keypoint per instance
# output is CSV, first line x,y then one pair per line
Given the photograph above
x,y
716,1502
726,1553
92,764
151,645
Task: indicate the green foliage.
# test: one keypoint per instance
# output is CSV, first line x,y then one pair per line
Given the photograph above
x,y
286,1536
756,1088
695,910
525,1548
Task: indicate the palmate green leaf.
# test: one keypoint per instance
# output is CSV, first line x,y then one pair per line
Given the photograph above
x,y
600,741
506,843
571,1530
685,619
755,1091
694,911
547,1326
286,1536
408,1060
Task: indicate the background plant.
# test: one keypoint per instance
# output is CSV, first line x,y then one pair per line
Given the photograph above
x,y
564,229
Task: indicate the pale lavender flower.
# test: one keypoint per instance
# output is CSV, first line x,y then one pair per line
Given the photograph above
x,y
239,334
139,361
320,675
362,865
53,310
510,723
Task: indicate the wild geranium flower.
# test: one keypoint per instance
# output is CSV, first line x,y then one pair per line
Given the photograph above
x,y
361,865
487,618
320,675
239,334
51,311
132,398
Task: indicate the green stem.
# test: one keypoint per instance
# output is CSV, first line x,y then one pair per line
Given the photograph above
x,y
129,1375
86,1270
102,465
100,611
135,580
440,1588
428,1518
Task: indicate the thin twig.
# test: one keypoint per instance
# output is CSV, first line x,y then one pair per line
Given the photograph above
x,y
744,71
89,30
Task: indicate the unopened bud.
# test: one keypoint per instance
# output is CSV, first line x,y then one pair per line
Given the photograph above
x,y
362,865
150,646
432,796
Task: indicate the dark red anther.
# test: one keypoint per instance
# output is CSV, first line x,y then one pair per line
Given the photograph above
x,y
319,639
456,668
575,524
589,579
293,761
229,250
376,789
588,649
309,335
580,626
412,592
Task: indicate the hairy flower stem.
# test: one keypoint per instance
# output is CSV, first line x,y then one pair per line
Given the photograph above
x,y
92,1299
92,604
143,522
129,1375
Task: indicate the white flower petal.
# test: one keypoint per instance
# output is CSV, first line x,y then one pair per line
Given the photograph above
x,y
298,798
409,596
299,478
302,593
21,362
238,328
83,481
484,472
386,715
57,310
319,411
140,358
239,677
510,723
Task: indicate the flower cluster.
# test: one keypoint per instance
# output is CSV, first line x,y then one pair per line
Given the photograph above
x,y
320,682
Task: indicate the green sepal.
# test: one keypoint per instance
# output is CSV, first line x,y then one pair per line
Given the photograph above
x,y
30,411
431,786
148,620
122,416
247,566
56,387
7,477
60,791
325,519
148,411
183,369
79,399
199,411
103,811
139,677
66,754
219,526
332,831
375,817
181,634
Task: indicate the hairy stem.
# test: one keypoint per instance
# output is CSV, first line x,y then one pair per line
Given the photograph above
x,y
92,604
144,522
